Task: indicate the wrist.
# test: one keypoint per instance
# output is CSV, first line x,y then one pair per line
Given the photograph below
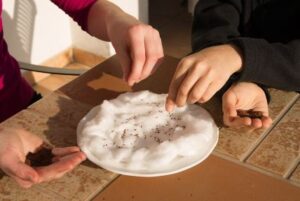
x,y
100,18
238,60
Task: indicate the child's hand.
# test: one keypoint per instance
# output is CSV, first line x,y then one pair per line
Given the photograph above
x,y
199,76
15,144
245,96
138,47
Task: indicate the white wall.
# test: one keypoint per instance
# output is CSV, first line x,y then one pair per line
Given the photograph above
x,y
35,30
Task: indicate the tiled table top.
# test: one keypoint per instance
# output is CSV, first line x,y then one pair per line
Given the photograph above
x,y
245,165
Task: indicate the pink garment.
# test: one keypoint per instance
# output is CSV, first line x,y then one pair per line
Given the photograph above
x,y
15,92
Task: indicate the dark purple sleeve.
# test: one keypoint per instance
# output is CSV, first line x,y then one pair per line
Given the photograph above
x,y
77,9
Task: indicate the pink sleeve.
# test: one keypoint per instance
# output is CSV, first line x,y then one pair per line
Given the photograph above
x,y
77,9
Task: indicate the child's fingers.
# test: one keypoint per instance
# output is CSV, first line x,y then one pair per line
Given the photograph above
x,y
176,81
138,57
210,91
18,169
23,183
267,122
228,120
170,104
256,123
57,169
125,62
64,150
154,52
229,101
187,84
238,122
199,89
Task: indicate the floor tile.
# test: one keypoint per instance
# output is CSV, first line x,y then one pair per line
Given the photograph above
x,y
281,149
295,177
54,132
85,180
238,143
10,191
82,183
61,109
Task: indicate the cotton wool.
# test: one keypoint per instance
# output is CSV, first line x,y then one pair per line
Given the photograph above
x,y
134,135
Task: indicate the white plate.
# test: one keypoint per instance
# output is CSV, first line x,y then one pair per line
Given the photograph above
x,y
180,164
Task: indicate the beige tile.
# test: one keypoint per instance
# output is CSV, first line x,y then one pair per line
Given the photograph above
x,y
81,184
61,109
10,191
295,177
52,131
238,143
281,149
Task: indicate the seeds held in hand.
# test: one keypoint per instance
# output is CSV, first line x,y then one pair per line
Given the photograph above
x,y
42,157
250,113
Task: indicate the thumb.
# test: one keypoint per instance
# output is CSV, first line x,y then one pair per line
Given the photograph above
x,y
125,61
16,168
229,101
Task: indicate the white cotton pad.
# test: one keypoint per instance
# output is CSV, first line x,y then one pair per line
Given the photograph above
x,y
134,135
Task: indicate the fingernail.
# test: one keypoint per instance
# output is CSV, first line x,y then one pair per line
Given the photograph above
x,y
169,107
192,101
131,83
32,178
83,156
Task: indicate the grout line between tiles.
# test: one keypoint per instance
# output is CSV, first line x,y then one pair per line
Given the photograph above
x,y
292,168
294,183
256,169
96,193
281,115
49,192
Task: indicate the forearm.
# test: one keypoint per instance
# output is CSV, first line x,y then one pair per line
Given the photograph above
x,y
100,14
78,10
215,22
272,64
